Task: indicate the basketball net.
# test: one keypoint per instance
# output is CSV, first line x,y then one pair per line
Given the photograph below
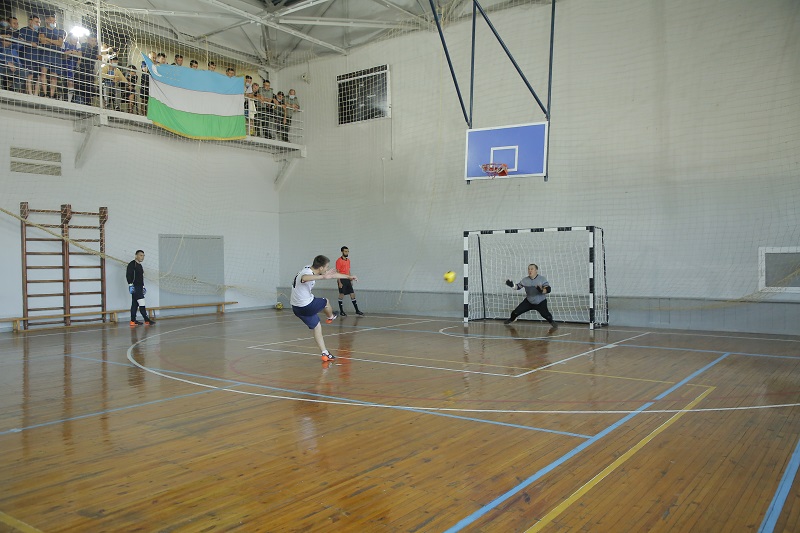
x,y
495,169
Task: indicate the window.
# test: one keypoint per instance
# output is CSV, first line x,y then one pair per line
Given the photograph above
x,y
364,95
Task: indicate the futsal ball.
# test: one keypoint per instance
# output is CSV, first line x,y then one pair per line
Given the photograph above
x,y
449,276
279,306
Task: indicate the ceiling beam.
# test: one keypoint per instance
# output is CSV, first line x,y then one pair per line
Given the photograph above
x,y
297,7
267,21
163,13
391,5
356,23
215,32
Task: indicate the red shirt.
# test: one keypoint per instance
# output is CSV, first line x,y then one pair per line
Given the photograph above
x,y
343,265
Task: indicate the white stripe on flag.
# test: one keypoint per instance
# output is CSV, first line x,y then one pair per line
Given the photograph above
x,y
201,103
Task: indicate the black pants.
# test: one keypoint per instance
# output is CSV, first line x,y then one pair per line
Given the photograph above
x,y
526,306
138,294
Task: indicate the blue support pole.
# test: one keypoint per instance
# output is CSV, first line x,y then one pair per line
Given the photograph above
x,y
450,63
508,53
550,87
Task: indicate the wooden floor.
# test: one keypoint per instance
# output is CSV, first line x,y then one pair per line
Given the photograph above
x,y
423,424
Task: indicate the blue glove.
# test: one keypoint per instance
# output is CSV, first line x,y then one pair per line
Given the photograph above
x,y
144,291
130,289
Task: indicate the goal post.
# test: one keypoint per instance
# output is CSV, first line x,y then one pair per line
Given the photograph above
x,y
572,259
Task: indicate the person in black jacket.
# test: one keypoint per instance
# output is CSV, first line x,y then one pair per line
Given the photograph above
x,y
135,276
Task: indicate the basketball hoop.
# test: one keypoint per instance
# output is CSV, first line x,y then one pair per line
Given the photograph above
x,y
495,169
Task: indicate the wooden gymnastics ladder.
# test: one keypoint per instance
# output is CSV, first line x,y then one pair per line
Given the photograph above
x,y
85,299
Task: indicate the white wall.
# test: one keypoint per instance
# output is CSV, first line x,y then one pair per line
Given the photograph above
x,y
675,126
151,184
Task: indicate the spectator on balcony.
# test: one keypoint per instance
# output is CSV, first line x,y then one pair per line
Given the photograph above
x,y
13,29
230,72
193,64
51,40
144,88
292,105
129,91
267,110
281,129
87,71
113,82
178,60
29,54
161,59
249,105
10,70
72,56
212,66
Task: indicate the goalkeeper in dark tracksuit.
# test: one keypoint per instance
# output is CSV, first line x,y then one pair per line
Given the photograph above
x,y
536,288
135,277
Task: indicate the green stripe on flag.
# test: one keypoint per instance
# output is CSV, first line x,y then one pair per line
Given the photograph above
x,y
196,126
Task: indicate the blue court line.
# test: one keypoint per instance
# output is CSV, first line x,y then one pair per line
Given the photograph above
x,y
79,417
464,522
778,501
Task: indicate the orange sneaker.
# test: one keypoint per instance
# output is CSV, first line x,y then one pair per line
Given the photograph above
x,y
327,356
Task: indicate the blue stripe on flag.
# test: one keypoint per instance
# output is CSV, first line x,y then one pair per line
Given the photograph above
x,y
195,80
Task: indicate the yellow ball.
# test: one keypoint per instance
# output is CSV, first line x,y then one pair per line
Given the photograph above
x,y
449,276
279,305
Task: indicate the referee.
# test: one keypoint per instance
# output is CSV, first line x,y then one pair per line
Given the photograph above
x,y
345,285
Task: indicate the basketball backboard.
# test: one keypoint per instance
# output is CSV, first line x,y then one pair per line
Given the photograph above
x,y
522,147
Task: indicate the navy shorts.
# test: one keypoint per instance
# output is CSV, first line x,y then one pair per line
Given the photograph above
x,y
308,314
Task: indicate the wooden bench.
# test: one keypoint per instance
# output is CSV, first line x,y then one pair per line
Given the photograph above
x,y
113,315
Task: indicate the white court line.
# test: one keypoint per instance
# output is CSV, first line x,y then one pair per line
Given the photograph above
x,y
498,337
357,403
257,346
399,364
604,347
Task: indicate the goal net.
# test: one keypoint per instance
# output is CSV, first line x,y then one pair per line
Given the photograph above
x,y
572,259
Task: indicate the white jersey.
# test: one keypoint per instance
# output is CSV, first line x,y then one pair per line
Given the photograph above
x,y
301,292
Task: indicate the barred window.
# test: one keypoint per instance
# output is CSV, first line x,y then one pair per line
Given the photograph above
x,y
364,95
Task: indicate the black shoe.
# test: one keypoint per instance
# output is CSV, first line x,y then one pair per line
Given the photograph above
x,y
150,322
553,325
359,313
135,323
342,313
508,321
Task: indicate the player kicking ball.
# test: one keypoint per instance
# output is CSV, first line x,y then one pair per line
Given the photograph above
x,y
306,307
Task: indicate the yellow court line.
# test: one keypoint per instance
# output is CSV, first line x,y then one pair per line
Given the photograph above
x,y
17,524
549,517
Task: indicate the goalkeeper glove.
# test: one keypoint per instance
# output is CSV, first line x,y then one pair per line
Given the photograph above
x,y
130,288
509,283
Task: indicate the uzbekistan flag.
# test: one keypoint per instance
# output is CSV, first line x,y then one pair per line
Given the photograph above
x,y
198,104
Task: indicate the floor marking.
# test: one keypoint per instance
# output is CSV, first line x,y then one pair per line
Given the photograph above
x,y
257,346
556,511
778,501
464,522
105,412
17,524
605,346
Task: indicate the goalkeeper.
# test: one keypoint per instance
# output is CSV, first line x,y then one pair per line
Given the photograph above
x,y
536,289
